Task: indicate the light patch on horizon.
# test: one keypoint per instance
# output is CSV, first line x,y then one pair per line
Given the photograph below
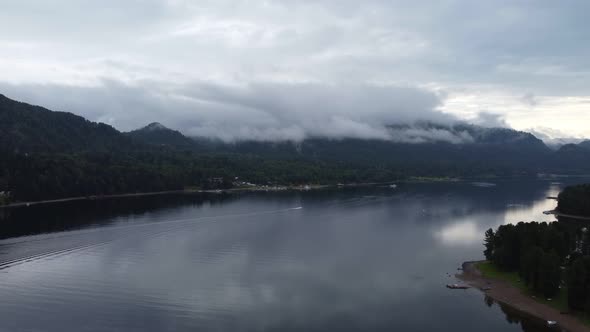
x,y
568,115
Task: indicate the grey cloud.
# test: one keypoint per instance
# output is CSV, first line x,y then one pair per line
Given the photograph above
x,y
417,134
530,99
491,120
504,43
112,102
289,69
254,111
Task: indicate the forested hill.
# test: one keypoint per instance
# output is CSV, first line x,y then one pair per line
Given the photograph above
x,y
46,154
487,151
157,134
477,157
32,129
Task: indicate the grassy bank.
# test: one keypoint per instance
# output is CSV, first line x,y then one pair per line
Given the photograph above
x,y
559,302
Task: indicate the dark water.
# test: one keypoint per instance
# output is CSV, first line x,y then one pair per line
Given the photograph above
x,y
368,259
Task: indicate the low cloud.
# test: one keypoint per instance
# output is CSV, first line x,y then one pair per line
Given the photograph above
x,y
490,120
530,99
420,134
254,111
553,137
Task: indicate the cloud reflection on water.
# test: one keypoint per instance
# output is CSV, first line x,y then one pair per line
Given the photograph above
x,y
469,230
460,233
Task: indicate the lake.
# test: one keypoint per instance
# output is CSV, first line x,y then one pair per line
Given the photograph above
x,y
352,259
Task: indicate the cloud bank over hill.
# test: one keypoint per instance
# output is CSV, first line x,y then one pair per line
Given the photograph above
x,y
257,111
289,69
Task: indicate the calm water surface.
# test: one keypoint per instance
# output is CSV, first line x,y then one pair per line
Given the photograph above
x,y
370,259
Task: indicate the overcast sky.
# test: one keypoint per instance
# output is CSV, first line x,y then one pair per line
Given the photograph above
x,y
289,69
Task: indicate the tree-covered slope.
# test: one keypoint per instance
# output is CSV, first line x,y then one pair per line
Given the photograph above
x,y
158,135
488,150
28,129
46,154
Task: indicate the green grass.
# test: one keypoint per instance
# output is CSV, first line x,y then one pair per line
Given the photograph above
x,y
558,302
489,270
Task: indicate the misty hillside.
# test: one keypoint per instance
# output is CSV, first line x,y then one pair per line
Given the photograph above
x,y
416,136
157,134
50,154
585,144
571,158
26,128
422,146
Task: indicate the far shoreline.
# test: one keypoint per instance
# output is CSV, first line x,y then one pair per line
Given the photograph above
x,y
275,188
507,294
94,197
269,188
187,191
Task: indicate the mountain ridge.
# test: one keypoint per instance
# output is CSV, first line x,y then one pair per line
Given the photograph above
x,y
47,154
157,134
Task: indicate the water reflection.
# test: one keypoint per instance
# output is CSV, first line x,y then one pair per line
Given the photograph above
x,y
461,233
361,259
521,211
40,219
513,316
506,205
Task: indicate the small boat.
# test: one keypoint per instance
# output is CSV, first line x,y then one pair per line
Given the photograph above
x,y
392,186
551,323
457,286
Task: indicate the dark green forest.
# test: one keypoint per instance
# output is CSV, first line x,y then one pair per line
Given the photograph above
x,y
575,200
46,176
535,250
548,256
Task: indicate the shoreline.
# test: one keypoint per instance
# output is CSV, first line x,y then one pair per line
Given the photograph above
x,y
276,188
167,192
95,197
505,293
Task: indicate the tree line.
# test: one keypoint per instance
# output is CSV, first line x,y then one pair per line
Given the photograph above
x,y
575,200
548,256
39,176
535,250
